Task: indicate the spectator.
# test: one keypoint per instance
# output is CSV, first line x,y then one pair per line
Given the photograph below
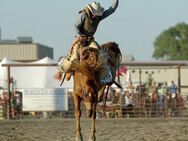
x,y
154,87
172,90
117,97
128,99
122,96
162,91
141,89
180,103
130,88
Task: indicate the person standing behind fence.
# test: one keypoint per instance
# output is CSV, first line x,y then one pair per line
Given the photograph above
x,y
180,103
130,93
131,88
162,91
172,90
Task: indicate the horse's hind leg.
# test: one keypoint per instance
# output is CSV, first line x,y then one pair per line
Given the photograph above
x,y
92,136
77,101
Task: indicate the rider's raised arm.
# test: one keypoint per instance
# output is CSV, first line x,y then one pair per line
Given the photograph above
x,y
79,23
110,10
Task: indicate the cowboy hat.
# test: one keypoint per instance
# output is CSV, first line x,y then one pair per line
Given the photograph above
x,y
96,8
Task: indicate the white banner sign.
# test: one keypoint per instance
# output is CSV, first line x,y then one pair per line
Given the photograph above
x,y
45,100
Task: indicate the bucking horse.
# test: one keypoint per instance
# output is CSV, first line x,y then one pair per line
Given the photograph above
x,y
87,86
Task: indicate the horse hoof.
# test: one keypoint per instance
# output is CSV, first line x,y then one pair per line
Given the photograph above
x,y
92,139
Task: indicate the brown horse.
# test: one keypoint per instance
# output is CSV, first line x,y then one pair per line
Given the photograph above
x,y
87,86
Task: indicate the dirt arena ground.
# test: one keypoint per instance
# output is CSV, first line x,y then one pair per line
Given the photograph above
x,y
132,129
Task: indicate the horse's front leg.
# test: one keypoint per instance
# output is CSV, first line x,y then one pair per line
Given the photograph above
x,y
77,101
92,136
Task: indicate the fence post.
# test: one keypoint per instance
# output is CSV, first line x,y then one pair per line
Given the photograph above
x,y
179,78
9,105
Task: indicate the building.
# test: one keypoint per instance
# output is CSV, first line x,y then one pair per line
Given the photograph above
x,y
23,49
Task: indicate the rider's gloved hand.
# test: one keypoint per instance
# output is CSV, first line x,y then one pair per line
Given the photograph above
x,y
58,76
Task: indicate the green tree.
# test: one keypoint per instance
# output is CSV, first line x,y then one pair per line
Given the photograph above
x,y
172,44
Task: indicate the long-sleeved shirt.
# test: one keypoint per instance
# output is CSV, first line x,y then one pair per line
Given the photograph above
x,y
108,12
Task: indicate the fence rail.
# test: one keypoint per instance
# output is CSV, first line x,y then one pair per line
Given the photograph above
x,y
141,106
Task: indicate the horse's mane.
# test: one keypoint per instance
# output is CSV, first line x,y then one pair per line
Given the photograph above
x,y
114,47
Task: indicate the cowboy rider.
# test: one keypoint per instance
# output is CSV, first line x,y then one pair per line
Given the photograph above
x,y
86,26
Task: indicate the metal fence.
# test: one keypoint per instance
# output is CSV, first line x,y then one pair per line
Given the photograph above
x,y
118,105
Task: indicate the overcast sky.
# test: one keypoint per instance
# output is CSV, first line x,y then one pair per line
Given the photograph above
x,y
134,26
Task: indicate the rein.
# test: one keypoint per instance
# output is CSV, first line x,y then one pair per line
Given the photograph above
x,y
63,79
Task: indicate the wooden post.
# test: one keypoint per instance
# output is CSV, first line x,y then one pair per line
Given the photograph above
x,y
140,76
9,105
179,78
120,100
139,93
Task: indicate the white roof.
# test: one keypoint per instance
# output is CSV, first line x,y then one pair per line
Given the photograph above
x,y
32,77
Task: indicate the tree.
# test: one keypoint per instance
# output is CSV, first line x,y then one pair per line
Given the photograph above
x,y
172,44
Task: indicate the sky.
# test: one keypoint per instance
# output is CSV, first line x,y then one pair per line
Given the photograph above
x,y
134,25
